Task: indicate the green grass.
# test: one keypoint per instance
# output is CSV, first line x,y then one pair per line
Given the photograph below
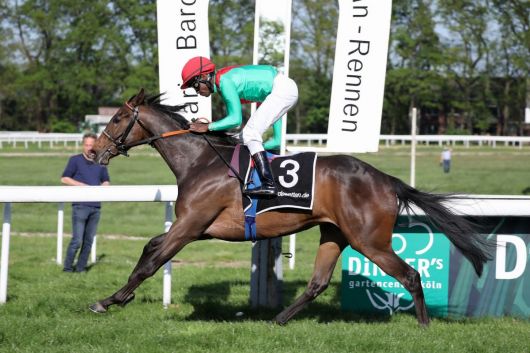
x,y
47,309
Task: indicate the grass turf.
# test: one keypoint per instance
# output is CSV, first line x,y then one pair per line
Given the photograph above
x,y
47,309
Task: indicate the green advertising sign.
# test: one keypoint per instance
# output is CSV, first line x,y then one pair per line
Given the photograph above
x,y
366,288
450,284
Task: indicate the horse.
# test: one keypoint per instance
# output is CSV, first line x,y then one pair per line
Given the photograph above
x,y
354,204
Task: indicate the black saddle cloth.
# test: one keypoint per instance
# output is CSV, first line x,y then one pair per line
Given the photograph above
x,y
294,176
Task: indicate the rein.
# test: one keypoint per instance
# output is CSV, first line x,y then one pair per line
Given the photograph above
x,y
119,142
122,147
236,173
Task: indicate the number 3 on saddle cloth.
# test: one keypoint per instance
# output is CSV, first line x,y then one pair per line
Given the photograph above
x,y
295,181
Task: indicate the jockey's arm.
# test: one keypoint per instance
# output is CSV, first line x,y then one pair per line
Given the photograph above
x,y
232,101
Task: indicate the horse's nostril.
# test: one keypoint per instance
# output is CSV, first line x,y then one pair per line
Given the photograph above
x,y
92,154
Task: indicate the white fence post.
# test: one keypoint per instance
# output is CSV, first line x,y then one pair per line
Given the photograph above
x,y
292,250
166,297
60,228
93,250
4,257
413,149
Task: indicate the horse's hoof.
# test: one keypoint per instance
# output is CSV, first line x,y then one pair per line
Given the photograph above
x,y
97,308
128,300
280,321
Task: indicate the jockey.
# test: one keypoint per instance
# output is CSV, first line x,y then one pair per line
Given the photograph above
x,y
245,84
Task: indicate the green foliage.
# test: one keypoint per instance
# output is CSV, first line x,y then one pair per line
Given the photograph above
x,y
57,125
69,57
463,64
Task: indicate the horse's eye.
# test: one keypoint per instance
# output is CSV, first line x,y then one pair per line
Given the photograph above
x,y
116,118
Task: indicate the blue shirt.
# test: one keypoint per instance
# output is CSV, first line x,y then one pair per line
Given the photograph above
x,y
81,169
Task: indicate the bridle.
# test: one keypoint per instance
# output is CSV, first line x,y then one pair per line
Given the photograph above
x,y
118,142
121,147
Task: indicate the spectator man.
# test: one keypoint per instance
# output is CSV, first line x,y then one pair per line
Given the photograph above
x,y
445,159
81,170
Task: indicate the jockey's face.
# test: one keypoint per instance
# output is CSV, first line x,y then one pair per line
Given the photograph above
x,y
201,88
204,90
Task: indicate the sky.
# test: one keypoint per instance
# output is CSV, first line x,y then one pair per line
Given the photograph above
x,y
270,9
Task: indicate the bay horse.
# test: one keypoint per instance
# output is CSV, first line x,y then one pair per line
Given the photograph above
x,y
354,204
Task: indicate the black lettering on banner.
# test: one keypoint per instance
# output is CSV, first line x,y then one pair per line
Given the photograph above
x,y
188,24
359,49
182,13
356,92
186,95
357,65
363,47
350,122
182,42
359,10
350,109
354,96
194,107
356,82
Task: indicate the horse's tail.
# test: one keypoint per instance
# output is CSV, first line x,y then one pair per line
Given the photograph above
x,y
460,231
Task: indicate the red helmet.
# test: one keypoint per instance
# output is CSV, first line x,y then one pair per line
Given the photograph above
x,y
195,67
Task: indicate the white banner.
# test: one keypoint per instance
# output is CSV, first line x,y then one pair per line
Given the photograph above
x,y
182,34
277,11
359,75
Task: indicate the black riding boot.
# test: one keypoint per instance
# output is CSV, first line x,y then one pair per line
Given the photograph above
x,y
268,187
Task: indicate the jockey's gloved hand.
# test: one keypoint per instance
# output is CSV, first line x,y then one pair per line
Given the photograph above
x,y
199,126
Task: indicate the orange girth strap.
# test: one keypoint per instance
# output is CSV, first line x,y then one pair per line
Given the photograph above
x,y
173,133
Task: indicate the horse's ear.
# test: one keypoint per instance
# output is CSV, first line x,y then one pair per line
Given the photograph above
x,y
138,99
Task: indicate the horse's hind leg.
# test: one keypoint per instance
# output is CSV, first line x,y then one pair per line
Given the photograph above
x,y
377,246
394,266
332,242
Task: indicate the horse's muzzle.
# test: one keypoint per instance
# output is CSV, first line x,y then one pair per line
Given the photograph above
x,y
101,157
92,155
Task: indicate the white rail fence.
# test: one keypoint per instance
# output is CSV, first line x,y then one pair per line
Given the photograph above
x,y
27,137
440,140
62,194
474,205
52,139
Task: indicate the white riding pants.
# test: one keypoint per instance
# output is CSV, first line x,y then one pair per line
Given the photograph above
x,y
283,97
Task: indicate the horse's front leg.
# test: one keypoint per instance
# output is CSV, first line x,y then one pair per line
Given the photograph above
x,y
157,252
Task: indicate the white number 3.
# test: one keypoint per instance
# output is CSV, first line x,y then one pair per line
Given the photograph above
x,y
291,172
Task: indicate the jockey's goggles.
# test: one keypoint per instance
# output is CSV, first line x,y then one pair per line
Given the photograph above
x,y
196,83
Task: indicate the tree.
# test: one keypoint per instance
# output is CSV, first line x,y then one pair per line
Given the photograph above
x,y
69,57
415,58
467,60
511,64
314,32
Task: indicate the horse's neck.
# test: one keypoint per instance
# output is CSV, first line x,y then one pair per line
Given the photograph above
x,y
183,153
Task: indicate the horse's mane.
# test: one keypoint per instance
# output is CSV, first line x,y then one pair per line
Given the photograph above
x,y
172,111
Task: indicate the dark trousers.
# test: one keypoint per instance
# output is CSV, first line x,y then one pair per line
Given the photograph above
x,y
447,165
84,224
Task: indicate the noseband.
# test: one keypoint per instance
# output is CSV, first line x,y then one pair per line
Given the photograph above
x,y
119,142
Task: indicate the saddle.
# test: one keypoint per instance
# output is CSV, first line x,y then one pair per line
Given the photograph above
x,y
294,176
